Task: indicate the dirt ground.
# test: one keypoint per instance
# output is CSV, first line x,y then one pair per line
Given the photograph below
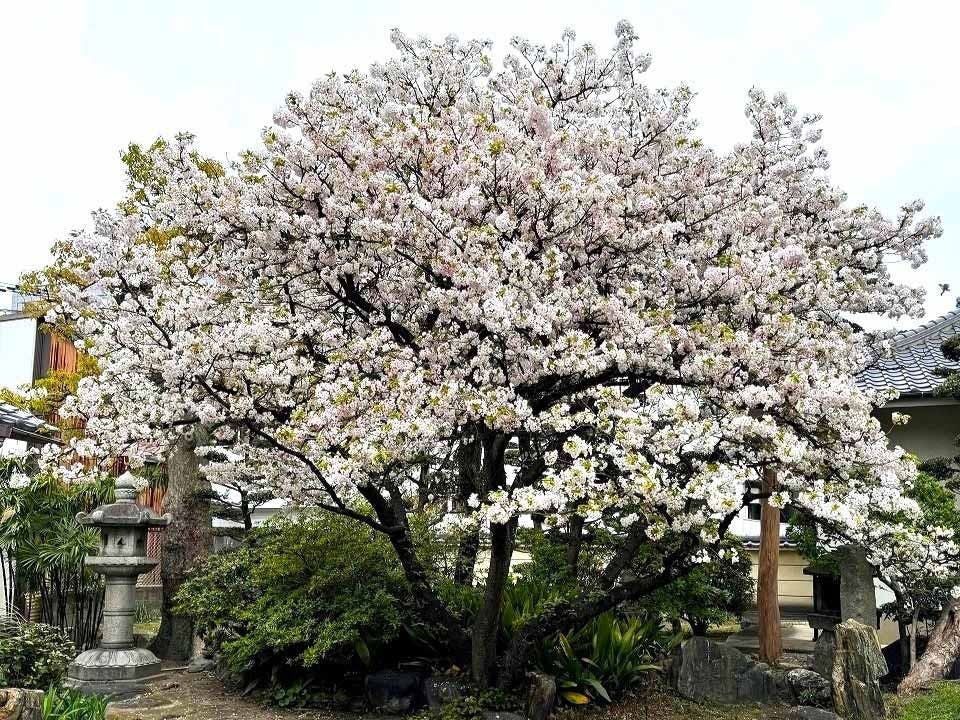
x,y
202,696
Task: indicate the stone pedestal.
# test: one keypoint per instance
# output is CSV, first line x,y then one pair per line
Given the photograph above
x,y
117,667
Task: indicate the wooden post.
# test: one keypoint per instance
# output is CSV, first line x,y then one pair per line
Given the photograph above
x,y
768,606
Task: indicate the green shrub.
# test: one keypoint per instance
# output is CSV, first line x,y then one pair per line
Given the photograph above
x,y
35,656
712,593
65,704
299,593
475,706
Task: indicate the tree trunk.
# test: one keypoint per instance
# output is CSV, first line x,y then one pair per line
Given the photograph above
x,y
907,659
184,544
574,543
486,626
943,647
245,511
914,627
768,601
468,472
427,606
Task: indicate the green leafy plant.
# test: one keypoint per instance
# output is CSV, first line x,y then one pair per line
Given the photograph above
x,y
299,594
577,680
35,656
608,657
475,706
65,704
42,548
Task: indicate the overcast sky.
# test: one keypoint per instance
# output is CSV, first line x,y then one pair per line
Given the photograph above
x,y
79,80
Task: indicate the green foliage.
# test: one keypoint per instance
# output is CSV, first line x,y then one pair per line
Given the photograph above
x,y
710,594
475,705
40,534
608,657
65,704
942,703
35,656
298,594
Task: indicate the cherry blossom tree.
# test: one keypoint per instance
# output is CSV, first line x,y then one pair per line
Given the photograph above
x,y
538,270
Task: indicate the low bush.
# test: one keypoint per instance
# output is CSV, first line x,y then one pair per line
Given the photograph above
x,y
35,656
65,704
298,595
711,594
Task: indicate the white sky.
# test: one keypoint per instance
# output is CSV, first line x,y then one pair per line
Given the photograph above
x,y
79,80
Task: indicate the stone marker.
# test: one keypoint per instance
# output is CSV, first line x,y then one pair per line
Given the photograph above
x,y
858,665
714,672
118,667
858,595
439,690
16,704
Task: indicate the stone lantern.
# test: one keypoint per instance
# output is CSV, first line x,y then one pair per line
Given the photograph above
x,y
117,667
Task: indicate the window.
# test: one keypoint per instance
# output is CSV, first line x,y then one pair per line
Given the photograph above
x,y
753,511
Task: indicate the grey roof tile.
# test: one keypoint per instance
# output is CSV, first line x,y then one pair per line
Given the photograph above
x,y
14,417
915,356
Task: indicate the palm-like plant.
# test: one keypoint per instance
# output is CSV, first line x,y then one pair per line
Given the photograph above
x,y
42,549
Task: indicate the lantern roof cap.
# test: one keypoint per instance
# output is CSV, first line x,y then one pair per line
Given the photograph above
x,y
124,511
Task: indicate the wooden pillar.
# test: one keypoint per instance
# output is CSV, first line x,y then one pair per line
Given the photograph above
x,y
768,606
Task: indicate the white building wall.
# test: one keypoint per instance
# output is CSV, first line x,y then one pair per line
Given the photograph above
x,y
18,345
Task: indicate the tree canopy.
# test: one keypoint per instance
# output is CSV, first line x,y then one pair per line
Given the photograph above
x,y
540,260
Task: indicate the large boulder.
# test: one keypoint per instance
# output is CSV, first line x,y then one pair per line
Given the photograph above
x,y
809,688
392,692
858,665
16,704
714,672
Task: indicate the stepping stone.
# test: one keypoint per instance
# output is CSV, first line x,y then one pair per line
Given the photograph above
x,y
146,707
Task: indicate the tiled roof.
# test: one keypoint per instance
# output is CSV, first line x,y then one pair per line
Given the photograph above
x,y
20,421
752,542
915,355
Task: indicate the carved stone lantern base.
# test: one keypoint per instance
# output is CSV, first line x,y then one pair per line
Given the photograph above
x,y
113,672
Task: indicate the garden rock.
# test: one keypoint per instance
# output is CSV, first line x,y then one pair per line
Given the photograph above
x,y
392,691
823,654
16,704
708,671
438,691
541,696
201,664
810,688
858,665
811,713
